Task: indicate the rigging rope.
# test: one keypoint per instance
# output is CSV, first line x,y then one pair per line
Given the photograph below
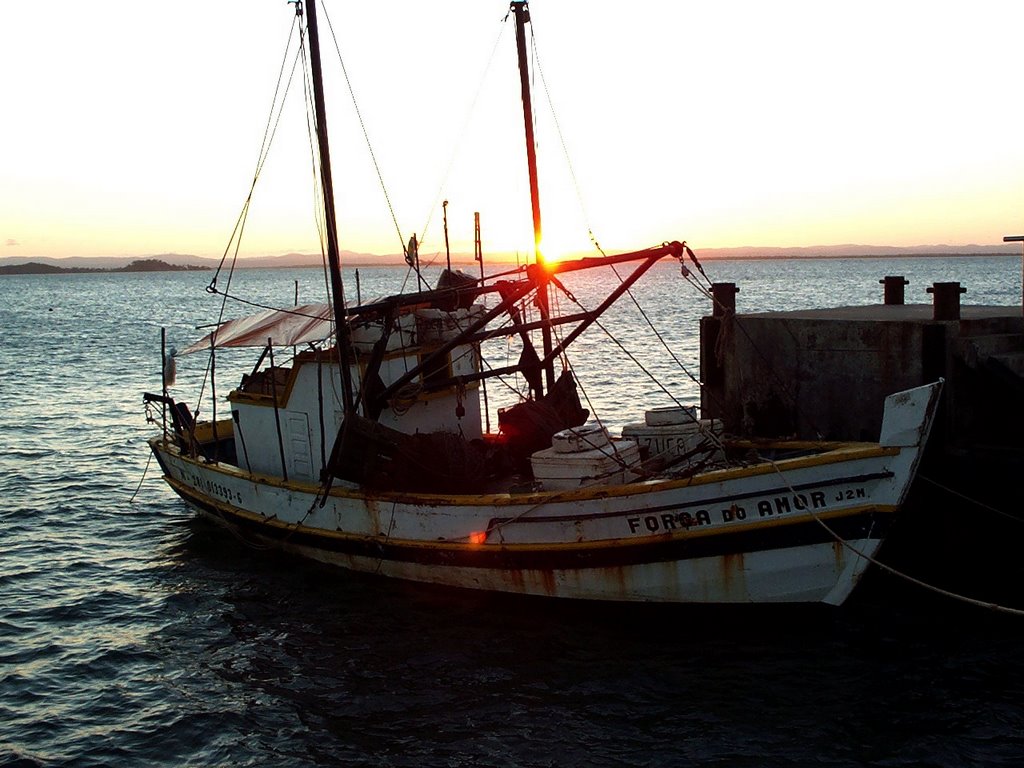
x,y
320,215
597,245
894,571
456,146
650,324
593,238
637,362
556,330
565,147
270,130
362,126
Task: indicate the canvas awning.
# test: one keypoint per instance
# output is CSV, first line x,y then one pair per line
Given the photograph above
x,y
288,327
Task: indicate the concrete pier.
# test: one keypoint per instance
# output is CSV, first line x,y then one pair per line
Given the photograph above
x,y
824,374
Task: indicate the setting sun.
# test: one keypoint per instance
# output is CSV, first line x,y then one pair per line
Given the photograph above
x,y
790,138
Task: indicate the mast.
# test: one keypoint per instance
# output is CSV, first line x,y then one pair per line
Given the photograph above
x,y
341,329
522,14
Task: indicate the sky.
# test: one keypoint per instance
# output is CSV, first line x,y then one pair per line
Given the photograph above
x,y
134,129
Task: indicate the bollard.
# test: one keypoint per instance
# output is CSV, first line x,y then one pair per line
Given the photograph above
x,y
894,288
946,298
724,296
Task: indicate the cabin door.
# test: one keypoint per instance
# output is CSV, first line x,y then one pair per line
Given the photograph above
x,y
300,462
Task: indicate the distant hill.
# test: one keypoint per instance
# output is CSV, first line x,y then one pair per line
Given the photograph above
x,y
157,265
291,260
139,265
31,268
177,261
858,251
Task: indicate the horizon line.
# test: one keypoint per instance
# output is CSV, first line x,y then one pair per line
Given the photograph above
x,y
848,250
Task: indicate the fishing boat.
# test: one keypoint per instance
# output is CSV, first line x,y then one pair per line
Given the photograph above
x,y
370,448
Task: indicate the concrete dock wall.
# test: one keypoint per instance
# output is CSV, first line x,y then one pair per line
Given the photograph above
x,y
825,373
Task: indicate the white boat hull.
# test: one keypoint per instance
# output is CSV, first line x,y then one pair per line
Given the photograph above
x,y
798,530
819,573
765,541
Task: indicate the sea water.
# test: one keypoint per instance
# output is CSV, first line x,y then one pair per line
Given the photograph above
x,y
131,634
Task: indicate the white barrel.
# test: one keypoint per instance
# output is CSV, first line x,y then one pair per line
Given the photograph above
x,y
583,438
609,465
675,414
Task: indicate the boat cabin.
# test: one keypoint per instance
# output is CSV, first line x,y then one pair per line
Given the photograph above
x,y
302,403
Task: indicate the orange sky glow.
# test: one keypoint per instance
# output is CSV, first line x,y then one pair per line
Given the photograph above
x,y
135,130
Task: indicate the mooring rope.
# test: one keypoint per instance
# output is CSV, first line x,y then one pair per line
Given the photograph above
x,y
142,479
975,502
895,571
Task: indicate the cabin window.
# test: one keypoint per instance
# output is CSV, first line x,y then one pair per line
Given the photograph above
x,y
439,370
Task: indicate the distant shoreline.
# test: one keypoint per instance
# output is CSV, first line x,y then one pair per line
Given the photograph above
x,y
140,265
806,256
351,260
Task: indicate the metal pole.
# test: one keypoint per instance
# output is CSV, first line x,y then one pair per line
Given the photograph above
x,y
478,250
163,379
341,329
213,396
478,254
277,417
447,248
295,350
1018,239
522,14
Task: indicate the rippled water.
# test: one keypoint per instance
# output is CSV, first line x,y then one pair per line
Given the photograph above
x,y
131,634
